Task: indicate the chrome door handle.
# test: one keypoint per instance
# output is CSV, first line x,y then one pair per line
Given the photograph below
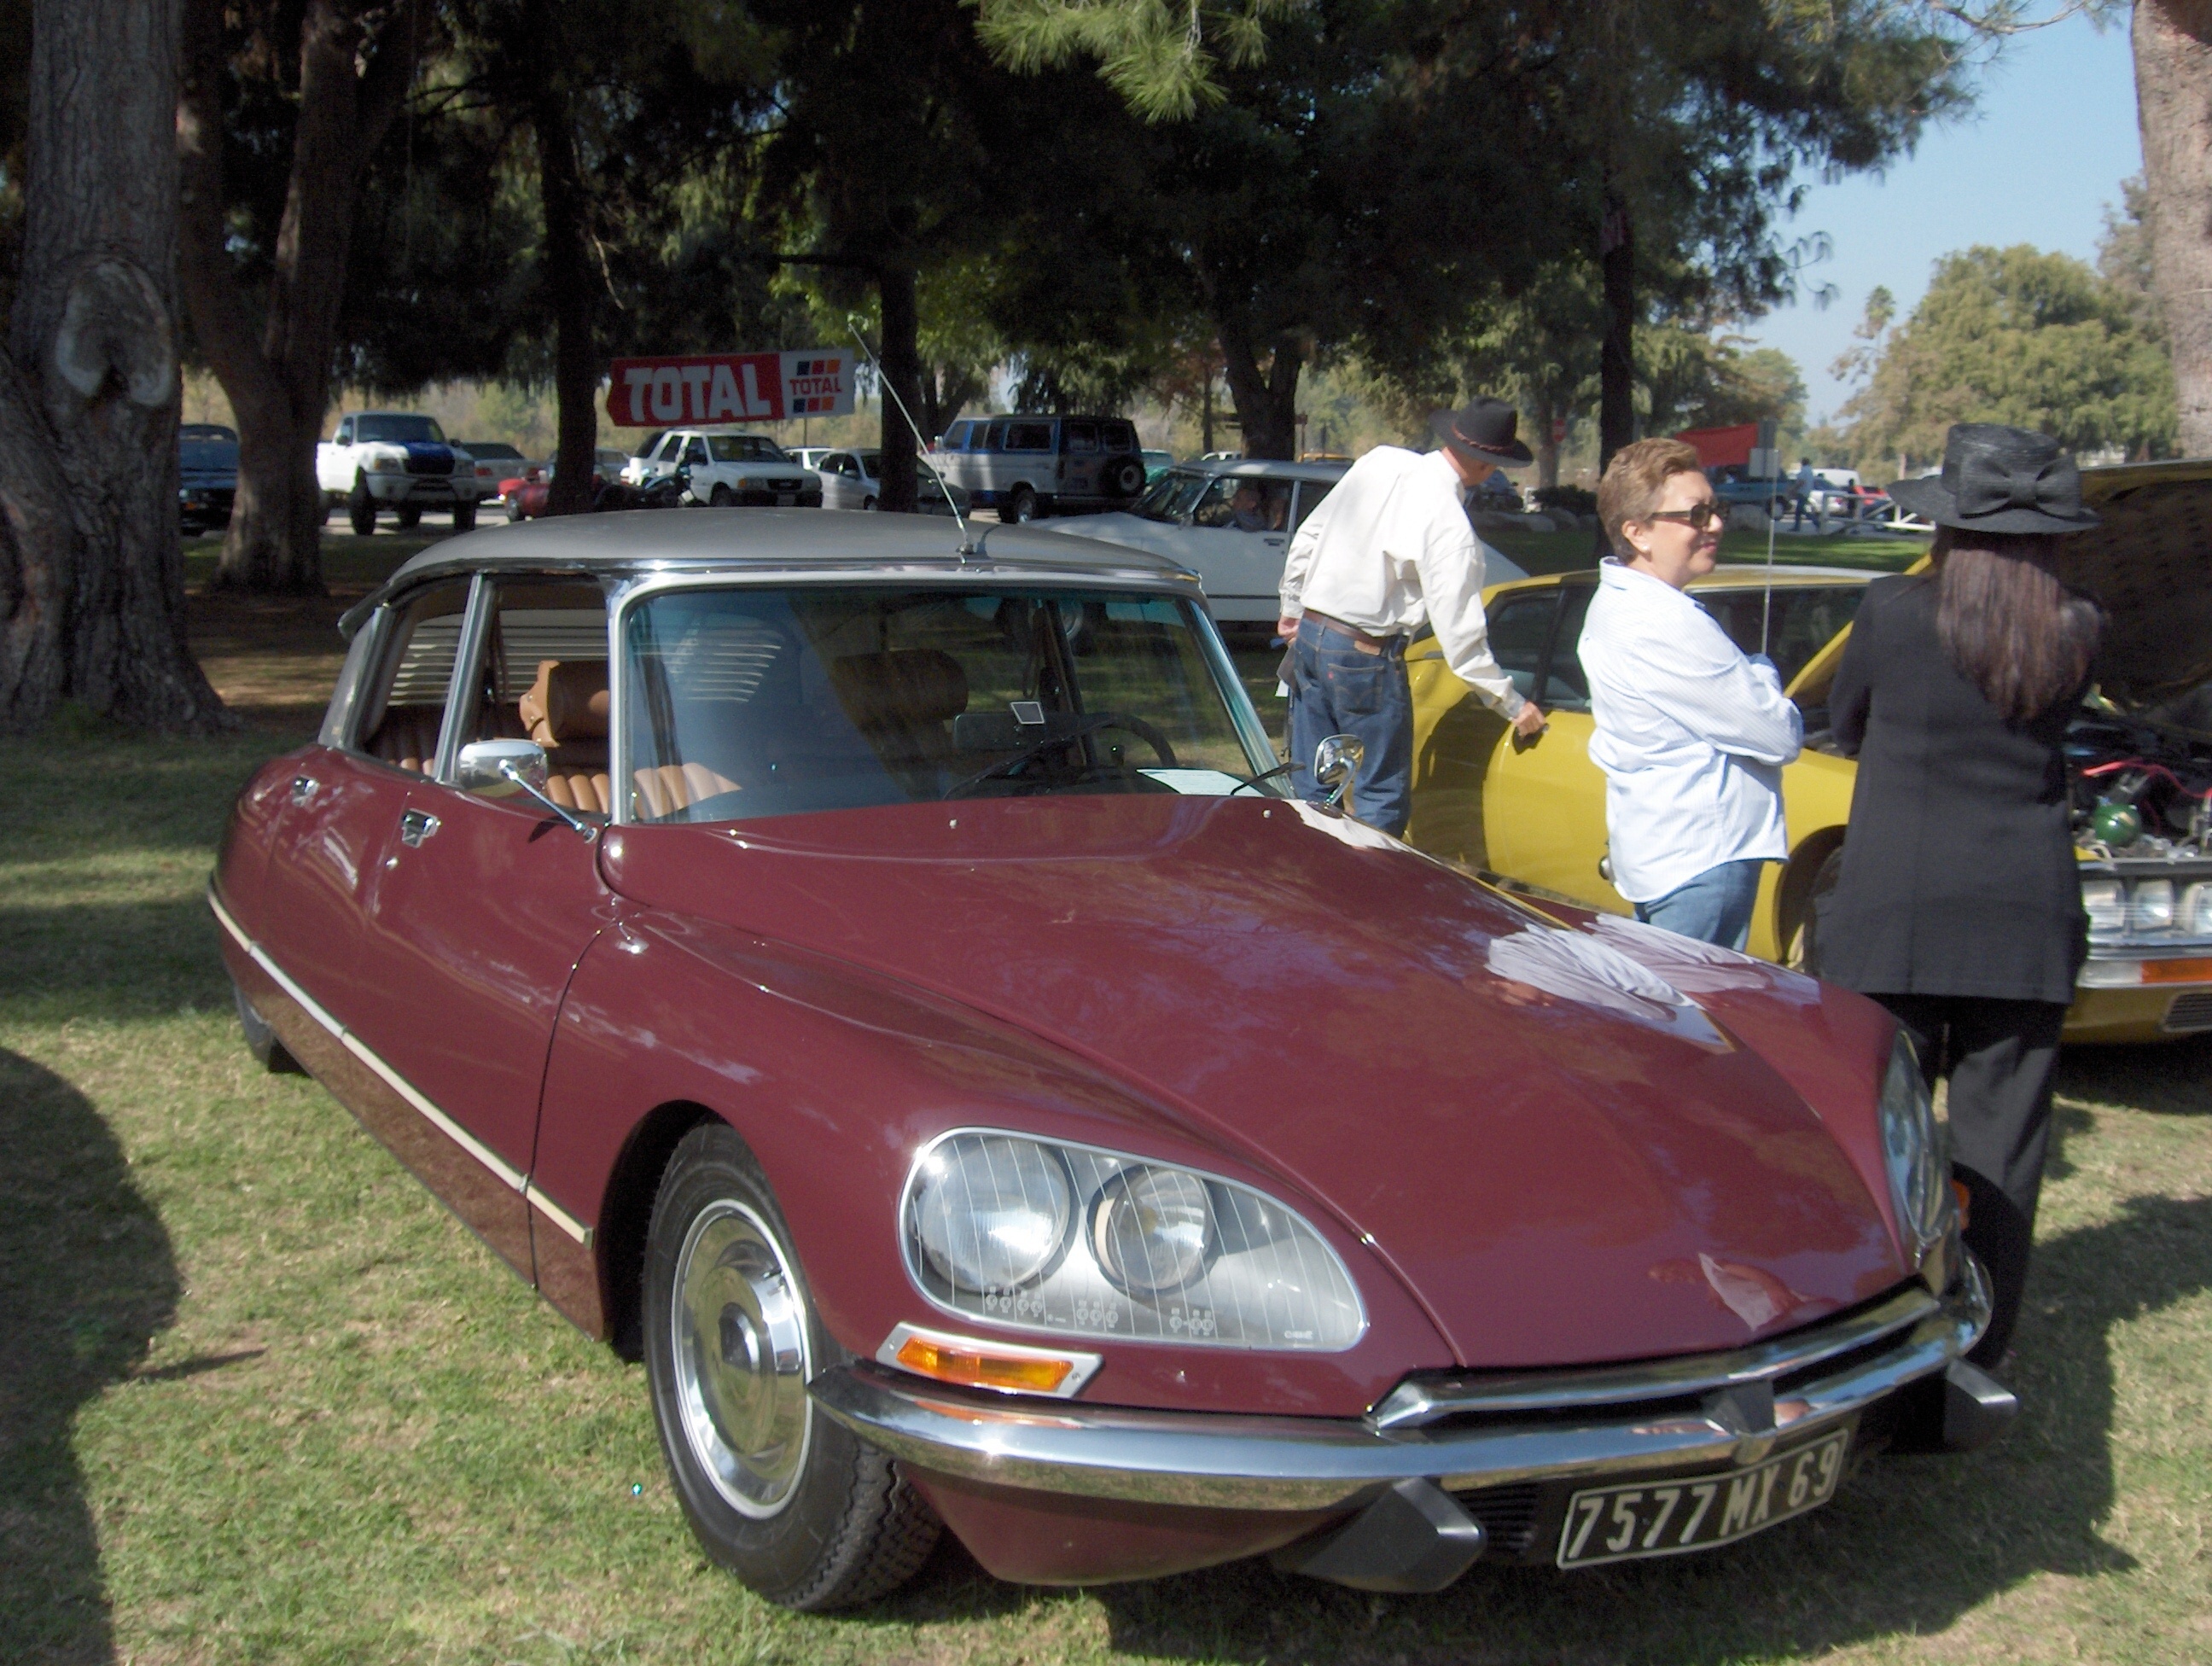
x,y
1274,542
415,826
303,788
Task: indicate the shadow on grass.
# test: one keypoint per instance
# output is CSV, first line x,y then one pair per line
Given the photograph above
x,y
2170,1078
87,1280
1910,1545
111,961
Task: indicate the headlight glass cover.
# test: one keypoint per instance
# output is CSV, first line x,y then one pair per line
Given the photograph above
x,y
2105,902
1918,1154
1074,1241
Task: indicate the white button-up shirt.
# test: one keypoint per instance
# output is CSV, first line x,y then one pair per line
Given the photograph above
x,y
1691,734
1391,546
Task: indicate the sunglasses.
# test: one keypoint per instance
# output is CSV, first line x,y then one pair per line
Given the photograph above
x,y
1697,517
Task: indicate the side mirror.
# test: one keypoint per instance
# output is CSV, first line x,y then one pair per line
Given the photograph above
x,y
1336,761
501,768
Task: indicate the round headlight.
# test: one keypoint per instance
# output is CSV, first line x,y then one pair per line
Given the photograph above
x,y
1151,1229
990,1213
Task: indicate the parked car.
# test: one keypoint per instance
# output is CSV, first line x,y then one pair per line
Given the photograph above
x,y
891,992
399,460
207,475
1536,813
1230,523
1732,485
727,468
496,463
1157,463
853,479
1027,466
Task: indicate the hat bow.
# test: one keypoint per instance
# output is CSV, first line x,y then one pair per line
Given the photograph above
x,y
1989,486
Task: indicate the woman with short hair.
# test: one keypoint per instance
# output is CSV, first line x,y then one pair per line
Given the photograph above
x,y
1959,906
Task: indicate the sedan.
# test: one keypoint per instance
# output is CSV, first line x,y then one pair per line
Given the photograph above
x,y
853,479
2142,779
881,985
1230,522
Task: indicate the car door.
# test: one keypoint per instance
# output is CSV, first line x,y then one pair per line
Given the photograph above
x,y
482,908
341,810
1544,799
1236,539
1079,460
1458,739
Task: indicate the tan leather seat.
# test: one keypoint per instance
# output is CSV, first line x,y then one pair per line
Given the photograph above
x,y
566,712
902,700
408,736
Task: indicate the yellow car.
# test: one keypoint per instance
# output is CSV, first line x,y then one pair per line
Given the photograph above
x,y
1532,813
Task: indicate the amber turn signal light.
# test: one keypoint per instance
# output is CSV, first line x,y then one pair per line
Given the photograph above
x,y
974,1367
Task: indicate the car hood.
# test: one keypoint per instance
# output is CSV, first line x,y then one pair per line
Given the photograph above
x,y
1570,1143
2148,561
1131,530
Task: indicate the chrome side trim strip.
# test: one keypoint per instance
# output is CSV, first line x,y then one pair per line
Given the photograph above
x,y
1420,1401
509,1176
1212,1460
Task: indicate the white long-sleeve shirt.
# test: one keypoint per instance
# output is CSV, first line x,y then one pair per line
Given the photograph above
x,y
1691,734
1391,546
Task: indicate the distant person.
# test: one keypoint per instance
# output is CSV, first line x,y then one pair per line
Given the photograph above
x,y
1807,488
1388,547
1958,907
1691,734
1246,514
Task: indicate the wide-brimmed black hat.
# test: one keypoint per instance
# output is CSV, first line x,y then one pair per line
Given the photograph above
x,y
1999,479
1483,433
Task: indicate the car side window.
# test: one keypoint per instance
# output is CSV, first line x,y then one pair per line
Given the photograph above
x,y
541,674
696,452
345,432
1311,493
670,447
405,707
1245,503
1565,687
1116,436
1082,438
956,437
1804,620
1029,436
1519,626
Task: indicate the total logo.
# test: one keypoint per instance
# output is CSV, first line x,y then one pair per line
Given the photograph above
x,y
729,387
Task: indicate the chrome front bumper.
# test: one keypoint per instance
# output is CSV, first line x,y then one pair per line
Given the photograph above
x,y
1710,1410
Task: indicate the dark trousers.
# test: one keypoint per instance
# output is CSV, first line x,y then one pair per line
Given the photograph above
x,y
1999,1055
1338,686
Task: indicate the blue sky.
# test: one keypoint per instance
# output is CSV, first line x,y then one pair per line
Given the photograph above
x,y
2053,135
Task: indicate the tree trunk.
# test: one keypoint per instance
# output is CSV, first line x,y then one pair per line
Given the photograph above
x,y
947,390
569,279
353,75
1546,448
1616,363
2173,104
1267,402
903,374
92,394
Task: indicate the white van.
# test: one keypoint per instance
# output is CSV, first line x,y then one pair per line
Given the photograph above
x,y
1027,466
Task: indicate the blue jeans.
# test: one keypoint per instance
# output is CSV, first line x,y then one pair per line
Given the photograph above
x,y
1713,907
1338,687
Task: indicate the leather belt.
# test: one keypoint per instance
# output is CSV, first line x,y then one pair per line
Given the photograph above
x,y
1366,640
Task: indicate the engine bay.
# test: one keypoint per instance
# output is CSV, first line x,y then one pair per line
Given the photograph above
x,y
2139,787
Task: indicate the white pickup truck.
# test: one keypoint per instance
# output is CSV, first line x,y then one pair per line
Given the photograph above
x,y
397,460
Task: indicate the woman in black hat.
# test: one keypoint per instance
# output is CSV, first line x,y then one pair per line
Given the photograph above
x,y
1959,906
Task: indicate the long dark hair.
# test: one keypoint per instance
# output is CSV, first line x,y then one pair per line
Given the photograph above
x,y
2011,628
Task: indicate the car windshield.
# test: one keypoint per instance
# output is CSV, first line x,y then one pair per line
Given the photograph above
x,y
399,430
746,448
491,451
780,702
1169,497
207,456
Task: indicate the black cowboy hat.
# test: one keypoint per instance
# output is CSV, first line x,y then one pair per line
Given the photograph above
x,y
1482,433
1998,479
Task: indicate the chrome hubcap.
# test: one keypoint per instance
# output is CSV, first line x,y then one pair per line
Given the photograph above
x,y
741,1362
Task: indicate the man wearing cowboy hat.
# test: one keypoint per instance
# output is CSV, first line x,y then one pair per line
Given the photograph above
x,y
1391,547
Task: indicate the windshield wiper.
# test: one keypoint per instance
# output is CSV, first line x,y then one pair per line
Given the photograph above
x,y
1264,774
1058,736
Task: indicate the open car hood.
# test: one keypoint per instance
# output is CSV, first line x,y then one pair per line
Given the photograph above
x,y
2149,562
1570,1143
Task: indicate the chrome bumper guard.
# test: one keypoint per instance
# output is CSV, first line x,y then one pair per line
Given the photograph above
x,y
1738,1406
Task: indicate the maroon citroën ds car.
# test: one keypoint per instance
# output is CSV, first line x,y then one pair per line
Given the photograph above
x,y
885,985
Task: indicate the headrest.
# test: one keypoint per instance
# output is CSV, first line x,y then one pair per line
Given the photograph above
x,y
569,701
907,685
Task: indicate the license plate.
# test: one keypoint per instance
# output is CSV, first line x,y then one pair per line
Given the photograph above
x,y
785,499
1696,1512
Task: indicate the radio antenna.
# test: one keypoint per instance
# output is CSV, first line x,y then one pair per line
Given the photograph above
x,y
967,547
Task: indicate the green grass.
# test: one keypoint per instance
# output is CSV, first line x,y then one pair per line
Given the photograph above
x,y
262,1400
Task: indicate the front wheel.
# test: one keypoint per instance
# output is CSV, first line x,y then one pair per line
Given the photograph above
x,y
794,1504
360,509
464,517
1021,505
515,508
720,498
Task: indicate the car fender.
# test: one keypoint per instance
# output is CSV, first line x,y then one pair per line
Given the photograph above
x,y
835,1077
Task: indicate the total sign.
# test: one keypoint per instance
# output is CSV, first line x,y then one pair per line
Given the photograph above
x,y
730,387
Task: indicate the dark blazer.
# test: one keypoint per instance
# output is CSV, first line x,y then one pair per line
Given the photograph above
x,y
1959,876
